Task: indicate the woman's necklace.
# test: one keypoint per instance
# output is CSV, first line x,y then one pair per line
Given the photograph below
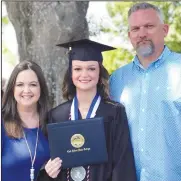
x,y
32,176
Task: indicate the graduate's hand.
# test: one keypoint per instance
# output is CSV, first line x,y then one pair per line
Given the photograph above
x,y
53,167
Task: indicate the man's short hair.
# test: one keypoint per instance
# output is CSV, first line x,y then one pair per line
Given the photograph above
x,y
143,6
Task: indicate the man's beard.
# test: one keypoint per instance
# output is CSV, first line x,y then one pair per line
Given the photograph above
x,y
145,50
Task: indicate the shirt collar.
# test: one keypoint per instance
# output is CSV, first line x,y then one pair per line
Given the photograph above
x,y
157,62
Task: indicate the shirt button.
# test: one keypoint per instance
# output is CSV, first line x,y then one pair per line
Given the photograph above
x,y
144,91
143,110
142,129
143,170
142,150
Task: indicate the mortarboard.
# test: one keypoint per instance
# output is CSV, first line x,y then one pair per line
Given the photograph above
x,y
85,50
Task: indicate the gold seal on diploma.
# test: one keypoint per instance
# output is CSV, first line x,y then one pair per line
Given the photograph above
x,y
77,140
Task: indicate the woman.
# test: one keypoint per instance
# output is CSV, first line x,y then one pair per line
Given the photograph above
x,y
24,112
87,80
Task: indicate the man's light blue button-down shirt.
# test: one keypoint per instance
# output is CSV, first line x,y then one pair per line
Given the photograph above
x,y
152,98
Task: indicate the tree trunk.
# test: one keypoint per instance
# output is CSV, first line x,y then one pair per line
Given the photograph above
x,y
39,26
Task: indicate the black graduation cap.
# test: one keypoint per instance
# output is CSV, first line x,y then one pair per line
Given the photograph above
x,y
85,50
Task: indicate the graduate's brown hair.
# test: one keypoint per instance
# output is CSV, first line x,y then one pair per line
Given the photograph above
x,y
69,89
10,116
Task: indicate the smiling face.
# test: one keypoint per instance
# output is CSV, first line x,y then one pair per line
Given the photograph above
x,y
85,75
27,89
147,32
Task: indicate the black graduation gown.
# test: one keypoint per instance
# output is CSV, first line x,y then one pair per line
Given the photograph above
x,y
120,165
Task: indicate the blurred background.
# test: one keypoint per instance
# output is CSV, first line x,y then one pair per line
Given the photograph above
x,y
30,30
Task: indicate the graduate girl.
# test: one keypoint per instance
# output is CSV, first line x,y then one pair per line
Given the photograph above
x,y
86,82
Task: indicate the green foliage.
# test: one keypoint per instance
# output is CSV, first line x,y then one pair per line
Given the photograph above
x,y
5,20
8,55
116,58
118,13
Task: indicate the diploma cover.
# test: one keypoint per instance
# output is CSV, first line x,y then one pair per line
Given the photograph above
x,y
78,143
